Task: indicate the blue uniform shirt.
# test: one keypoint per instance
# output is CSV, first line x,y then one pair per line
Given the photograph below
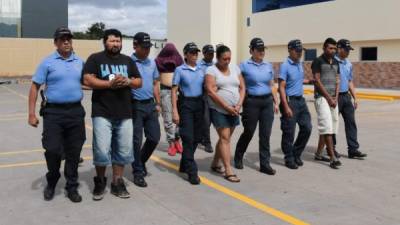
x,y
346,74
149,72
62,78
204,65
257,77
189,80
293,74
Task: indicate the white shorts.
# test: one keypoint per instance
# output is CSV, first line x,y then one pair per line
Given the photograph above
x,y
328,117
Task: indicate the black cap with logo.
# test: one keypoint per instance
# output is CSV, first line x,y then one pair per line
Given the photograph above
x,y
344,43
62,32
257,43
208,49
296,45
142,39
190,47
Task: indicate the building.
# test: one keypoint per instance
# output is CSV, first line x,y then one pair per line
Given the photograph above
x,y
32,18
371,26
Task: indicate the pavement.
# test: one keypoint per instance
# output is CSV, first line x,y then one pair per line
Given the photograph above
x,y
360,192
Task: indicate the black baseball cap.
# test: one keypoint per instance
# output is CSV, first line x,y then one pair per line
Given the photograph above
x,y
142,39
257,43
61,32
208,49
344,43
296,45
190,47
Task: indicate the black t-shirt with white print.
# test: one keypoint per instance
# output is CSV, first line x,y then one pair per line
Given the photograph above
x,y
111,103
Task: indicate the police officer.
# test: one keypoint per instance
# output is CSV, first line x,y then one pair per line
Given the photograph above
x,y
258,107
63,114
293,106
207,61
189,79
146,107
346,93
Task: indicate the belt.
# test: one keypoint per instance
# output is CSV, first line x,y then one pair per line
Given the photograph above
x,y
145,101
198,98
164,87
259,96
63,105
344,93
296,97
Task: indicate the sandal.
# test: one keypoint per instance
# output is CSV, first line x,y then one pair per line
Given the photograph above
x,y
217,169
232,178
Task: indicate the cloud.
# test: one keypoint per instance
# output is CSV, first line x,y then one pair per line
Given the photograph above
x,y
129,16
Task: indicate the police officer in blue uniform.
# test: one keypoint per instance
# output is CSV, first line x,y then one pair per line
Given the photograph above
x,y
188,113
207,61
258,107
346,106
63,114
146,108
293,106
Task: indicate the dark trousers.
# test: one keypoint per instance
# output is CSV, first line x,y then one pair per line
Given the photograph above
x,y
190,127
256,110
145,118
302,117
346,109
207,123
63,134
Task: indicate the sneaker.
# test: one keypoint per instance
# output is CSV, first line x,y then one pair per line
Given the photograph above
x,y
208,148
99,188
74,196
48,193
321,158
335,164
337,154
178,147
119,189
194,179
172,150
357,154
238,163
291,165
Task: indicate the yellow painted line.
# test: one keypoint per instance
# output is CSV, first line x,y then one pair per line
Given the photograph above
x,y
366,95
42,162
32,151
238,196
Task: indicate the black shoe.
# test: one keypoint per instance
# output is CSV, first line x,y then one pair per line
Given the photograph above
x,y
357,154
291,165
335,164
194,179
119,189
48,193
144,171
99,188
208,148
238,164
74,196
139,181
267,170
298,161
337,154
81,160
321,158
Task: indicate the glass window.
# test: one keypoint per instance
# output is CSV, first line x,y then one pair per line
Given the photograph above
x,y
310,54
10,18
369,54
266,5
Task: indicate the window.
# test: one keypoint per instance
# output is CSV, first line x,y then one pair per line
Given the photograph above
x,y
248,22
310,54
267,5
10,18
369,54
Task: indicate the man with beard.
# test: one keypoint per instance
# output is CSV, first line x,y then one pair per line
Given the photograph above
x,y
111,75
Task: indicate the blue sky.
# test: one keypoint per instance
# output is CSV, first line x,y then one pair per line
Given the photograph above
x,y
129,16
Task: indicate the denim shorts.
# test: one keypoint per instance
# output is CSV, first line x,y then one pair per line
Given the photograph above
x,y
112,141
220,120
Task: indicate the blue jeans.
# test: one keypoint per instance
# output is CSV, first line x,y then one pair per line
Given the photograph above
x,y
112,141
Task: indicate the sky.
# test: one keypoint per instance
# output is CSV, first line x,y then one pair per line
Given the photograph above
x,y
129,16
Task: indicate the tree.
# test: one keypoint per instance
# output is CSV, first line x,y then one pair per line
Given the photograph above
x,y
94,32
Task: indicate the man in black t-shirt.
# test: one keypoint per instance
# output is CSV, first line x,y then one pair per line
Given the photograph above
x,y
111,75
